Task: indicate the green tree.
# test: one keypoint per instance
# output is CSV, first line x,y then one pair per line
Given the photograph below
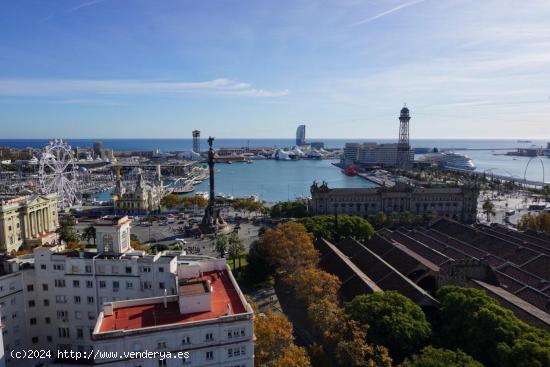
x,y
289,209
259,268
89,233
235,248
434,357
488,209
335,228
379,220
475,323
394,321
66,231
221,244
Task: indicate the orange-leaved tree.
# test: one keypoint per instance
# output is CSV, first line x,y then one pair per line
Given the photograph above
x,y
290,247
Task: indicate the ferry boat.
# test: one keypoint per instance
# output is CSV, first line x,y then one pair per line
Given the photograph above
x,y
450,160
350,171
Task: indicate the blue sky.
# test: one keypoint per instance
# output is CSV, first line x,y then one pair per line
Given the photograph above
x,y
257,69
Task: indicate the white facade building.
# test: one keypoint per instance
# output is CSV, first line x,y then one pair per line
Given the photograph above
x,y
372,154
51,299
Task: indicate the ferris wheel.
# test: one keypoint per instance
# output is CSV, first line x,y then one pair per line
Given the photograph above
x,y
58,172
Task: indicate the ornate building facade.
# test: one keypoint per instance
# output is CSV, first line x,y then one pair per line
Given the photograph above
x,y
459,203
27,220
144,198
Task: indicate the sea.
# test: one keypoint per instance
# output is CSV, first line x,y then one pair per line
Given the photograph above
x,y
276,181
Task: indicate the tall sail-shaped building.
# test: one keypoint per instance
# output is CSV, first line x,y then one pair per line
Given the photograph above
x,y
301,135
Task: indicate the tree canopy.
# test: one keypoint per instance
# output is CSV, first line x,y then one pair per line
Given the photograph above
x,y
290,247
289,209
274,344
393,320
348,226
536,222
475,323
435,357
311,284
171,201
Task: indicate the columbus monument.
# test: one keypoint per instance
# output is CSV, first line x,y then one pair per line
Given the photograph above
x,y
212,220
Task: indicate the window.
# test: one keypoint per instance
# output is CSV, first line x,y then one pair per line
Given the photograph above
x,y
161,285
128,270
209,337
34,339
75,268
209,355
88,268
47,320
147,285
146,269
129,285
89,284
43,266
62,315
78,315
46,302
63,332
90,300
45,287
32,320
60,299
116,285
186,340
31,303
76,283
162,362
161,269
49,338
60,283
30,288
102,284
58,267
161,344
79,333
91,316
77,300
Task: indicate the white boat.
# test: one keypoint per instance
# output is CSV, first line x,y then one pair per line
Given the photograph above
x,y
450,160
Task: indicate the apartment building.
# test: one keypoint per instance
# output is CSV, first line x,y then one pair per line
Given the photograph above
x,y
51,299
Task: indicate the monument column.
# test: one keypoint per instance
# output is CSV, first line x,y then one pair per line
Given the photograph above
x,y
40,221
31,224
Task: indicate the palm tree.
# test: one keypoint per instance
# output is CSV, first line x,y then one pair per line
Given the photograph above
x,y
488,209
235,248
221,244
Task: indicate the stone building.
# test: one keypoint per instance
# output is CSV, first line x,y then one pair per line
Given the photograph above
x,y
27,220
143,198
459,203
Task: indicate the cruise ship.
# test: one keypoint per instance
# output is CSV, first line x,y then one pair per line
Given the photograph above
x,y
450,160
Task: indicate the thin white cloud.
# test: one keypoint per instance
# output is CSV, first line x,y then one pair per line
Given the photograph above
x,y
85,5
42,87
387,12
71,10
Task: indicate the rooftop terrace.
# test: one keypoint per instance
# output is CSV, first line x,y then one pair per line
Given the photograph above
x,y
146,313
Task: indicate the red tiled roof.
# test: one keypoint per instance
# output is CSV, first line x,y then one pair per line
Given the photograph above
x,y
137,317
